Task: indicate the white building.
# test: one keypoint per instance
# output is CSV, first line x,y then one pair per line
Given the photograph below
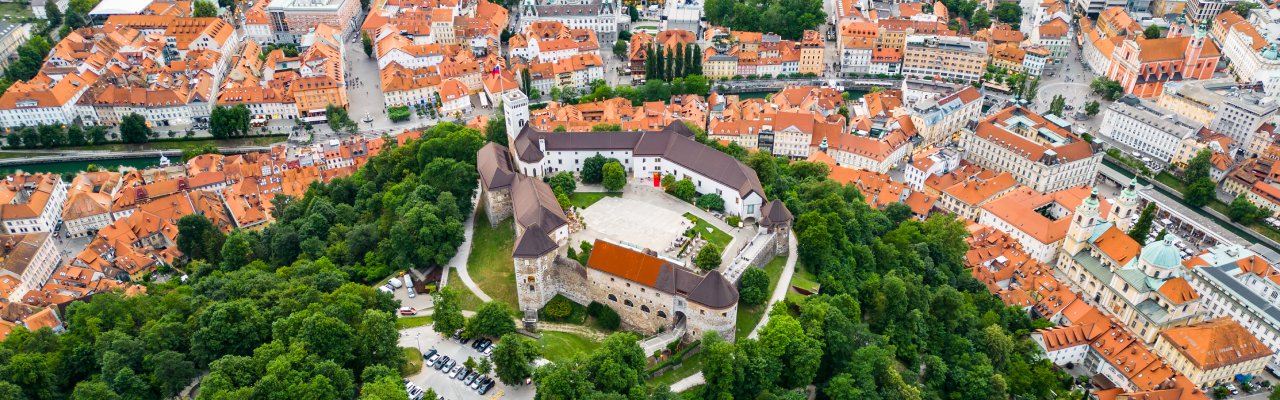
x,y
648,155
1146,127
936,162
1039,153
1236,282
605,17
28,259
31,203
937,118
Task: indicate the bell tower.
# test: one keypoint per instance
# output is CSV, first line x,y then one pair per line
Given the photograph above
x,y
1125,207
1082,223
515,108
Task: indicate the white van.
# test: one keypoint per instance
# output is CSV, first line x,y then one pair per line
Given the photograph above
x,y
395,283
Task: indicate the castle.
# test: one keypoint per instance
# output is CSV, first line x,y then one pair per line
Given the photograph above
x,y
649,292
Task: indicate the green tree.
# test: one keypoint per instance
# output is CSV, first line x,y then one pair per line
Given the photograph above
x,y
76,135
236,250
709,257
98,134
1108,89
981,20
484,367
683,190
134,129
170,371
495,130
754,287
1091,108
615,178
711,201
1152,32
1198,167
1008,13
53,14
367,43
1243,211
593,169
1058,103
1141,228
1243,8
52,135
563,182
447,314
95,389
1200,192
199,239
493,319
513,358
620,49
204,9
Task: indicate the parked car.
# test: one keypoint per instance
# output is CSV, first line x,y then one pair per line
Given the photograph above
x,y
479,381
430,355
395,283
471,378
485,389
488,351
464,340
408,311
408,286
438,364
451,363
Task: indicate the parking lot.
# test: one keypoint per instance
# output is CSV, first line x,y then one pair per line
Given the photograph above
x,y
425,339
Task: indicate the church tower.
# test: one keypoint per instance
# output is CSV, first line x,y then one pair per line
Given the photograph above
x,y
1125,207
515,108
1082,223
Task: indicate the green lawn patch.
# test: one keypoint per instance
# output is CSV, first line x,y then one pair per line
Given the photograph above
x,y
749,316
15,12
490,263
412,322
709,232
412,361
690,366
577,312
583,200
1171,181
802,278
466,299
19,154
564,346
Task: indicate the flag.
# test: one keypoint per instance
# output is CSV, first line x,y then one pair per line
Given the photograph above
x,y
497,69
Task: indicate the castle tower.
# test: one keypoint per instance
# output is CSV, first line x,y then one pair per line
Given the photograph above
x,y
1086,217
775,217
515,108
534,255
1125,207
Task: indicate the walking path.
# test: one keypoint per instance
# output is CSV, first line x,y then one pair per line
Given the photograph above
x,y
574,329
780,292
459,260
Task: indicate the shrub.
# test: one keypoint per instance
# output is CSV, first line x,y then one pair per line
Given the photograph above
x,y
605,316
711,201
733,220
754,287
398,113
559,308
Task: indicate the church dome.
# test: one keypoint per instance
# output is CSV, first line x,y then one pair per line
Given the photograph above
x,y
1162,254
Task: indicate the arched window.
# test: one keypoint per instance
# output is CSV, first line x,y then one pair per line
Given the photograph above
x,y
644,308
612,297
628,303
662,314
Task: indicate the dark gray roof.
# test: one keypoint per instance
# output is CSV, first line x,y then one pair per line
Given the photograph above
x,y
674,143
495,167
591,8
775,213
715,292
533,243
533,203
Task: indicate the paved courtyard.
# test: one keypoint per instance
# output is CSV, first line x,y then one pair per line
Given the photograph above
x,y
634,222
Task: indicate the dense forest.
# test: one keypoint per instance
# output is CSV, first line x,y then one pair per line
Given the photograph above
x,y
286,312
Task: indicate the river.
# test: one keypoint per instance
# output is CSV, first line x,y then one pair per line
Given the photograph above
x,y
72,167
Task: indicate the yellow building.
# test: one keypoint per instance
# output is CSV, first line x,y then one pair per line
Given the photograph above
x,y
948,57
720,66
1212,352
1187,103
811,53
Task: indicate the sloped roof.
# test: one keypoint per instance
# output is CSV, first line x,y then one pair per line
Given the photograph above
x,y
1215,344
533,203
649,270
534,242
775,213
495,167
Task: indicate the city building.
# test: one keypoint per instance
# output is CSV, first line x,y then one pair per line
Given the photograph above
x,y
1144,287
1145,127
88,205
12,36
1038,152
937,119
1224,107
1238,283
292,19
1213,352
947,57
604,17
31,203
26,261
1038,221
1142,65
966,197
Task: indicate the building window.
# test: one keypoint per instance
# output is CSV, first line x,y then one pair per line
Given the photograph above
x,y
613,298
662,314
628,303
644,308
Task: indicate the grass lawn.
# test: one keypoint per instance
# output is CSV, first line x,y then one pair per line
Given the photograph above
x,y
715,236
749,316
490,263
19,154
14,11
802,278
412,361
1171,181
563,346
690,366
583,200
466,299
411,322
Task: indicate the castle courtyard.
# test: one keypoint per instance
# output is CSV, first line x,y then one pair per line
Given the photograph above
x,y
634,222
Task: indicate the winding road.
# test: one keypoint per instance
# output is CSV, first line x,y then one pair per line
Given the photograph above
x,y
459,260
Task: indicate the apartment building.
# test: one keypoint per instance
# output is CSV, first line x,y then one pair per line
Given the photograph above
x,y
1214,352
1144,126
292,19
1238,283
26,261
31,203
1038,152
946,57
604,17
